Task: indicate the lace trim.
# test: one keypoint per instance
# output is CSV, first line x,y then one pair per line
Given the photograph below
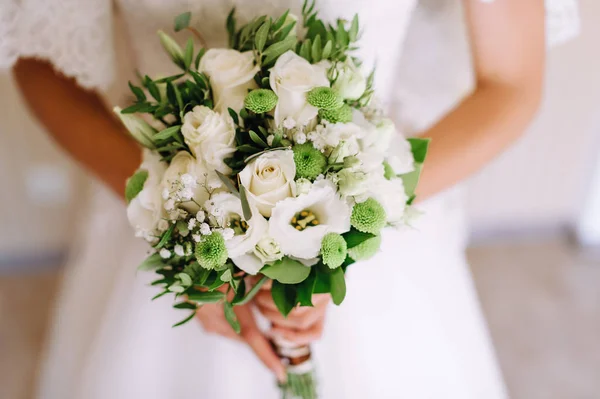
x,y
75,35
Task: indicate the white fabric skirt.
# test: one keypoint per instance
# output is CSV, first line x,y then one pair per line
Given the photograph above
x,y
410,326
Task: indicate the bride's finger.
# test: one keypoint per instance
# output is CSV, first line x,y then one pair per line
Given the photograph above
x,y
303,337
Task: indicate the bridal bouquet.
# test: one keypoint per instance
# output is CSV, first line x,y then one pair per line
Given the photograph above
x,y
265,161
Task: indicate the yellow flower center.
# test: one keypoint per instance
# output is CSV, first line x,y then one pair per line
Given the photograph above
x,y
304,219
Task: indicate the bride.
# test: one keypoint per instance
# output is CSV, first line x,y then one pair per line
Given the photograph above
x,y
410,326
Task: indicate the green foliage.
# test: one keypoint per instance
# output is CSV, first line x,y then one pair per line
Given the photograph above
x,y
204,297
152,262
135,184
338,286
326,41
368,216
366,249
244,299
286,271
245,205
419,149
231,317
182,21
284,296
309,161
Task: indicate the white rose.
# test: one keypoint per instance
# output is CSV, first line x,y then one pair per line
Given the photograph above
x,y
185,164
210,135
269,178
330,213
292,77
145,211
241,246
231,75
392,196
350,82
268,250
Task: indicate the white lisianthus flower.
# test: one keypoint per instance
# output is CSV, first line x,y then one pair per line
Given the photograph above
x,y
210,135
392,196
352,183
327,214
240,247
185,164
379,137
350,82
231,75
400,156
268,250
292,77
269,178
146,211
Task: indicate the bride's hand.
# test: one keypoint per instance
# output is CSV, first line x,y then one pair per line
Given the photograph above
x,y
302,326
212,318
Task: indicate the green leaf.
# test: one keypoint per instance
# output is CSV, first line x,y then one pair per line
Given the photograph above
x,y
317,49
185,305
165,237
139,93
305,50
305,289
216,284
283,33
253,291
231,317
411,180
230,25
152,262
199,56
239,292
327,50
174,95
355,237
139,107
228,183
165,292
247,211
419,148
186,280
341,35
152,88
353,32
169,78
276,49
338,286
286,271
188,53
261,35
182,21
167,133
203,297
322,279
277,140
234,116
280,21
247,148
257,139
190,317
284,297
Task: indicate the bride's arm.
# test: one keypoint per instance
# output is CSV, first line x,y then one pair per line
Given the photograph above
x,y
80,123
508,46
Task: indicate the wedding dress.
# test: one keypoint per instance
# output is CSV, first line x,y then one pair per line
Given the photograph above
x,y
410,326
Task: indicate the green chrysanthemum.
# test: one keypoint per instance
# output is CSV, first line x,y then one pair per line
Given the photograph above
x,y
333,250
211,251
310,162
368,216
324,98
365,249
342,114
135,184
260,101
